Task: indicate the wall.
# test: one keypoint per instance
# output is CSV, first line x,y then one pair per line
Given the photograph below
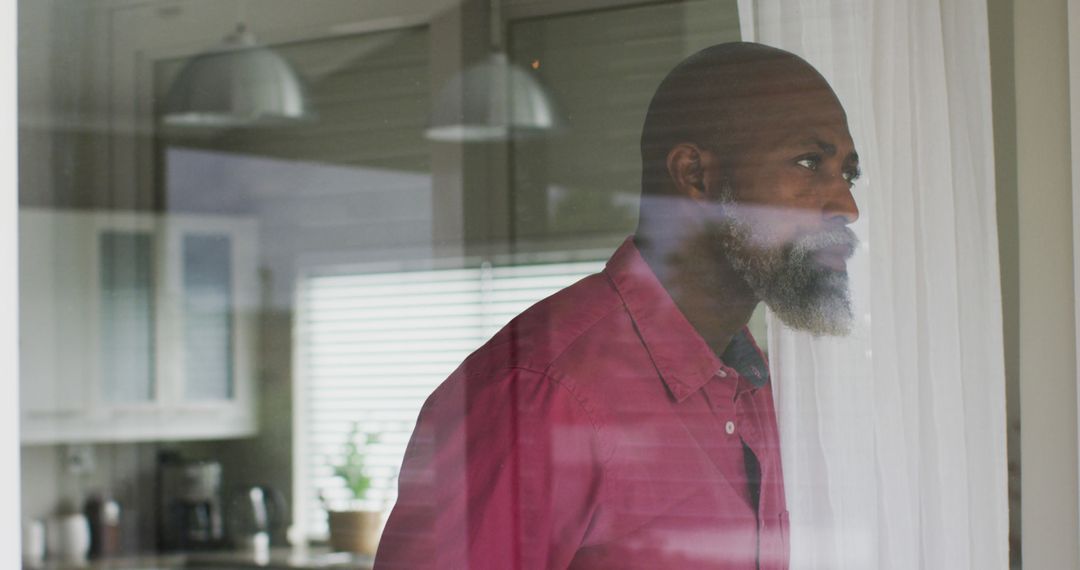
x,y
1029,60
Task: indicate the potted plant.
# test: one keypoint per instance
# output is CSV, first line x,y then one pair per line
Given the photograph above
x,y
357,526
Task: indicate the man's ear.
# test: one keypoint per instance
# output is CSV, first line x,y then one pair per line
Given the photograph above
x,y
686,167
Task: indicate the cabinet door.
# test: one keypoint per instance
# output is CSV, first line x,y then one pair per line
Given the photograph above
x,y
211,275
54,318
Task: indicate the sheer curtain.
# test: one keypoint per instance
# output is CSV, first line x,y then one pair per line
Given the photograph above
x,y
894,438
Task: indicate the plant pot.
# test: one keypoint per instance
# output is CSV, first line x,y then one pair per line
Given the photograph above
x,y
355,531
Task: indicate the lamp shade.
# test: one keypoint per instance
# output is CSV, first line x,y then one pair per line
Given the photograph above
x,y
242,85
488,101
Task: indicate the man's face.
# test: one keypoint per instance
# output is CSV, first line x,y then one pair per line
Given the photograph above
x,y
784,207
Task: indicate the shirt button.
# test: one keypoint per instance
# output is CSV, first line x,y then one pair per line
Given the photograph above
x,y
729,428
721,374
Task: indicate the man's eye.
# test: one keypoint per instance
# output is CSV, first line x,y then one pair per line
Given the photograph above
x,y
809,163
852,175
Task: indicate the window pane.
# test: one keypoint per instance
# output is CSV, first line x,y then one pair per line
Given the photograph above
x,y
208,323
127,326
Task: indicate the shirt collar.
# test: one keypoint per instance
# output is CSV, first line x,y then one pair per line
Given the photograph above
x,y
683,359
743,354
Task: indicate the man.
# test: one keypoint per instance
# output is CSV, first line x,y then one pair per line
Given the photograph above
x,y
627,421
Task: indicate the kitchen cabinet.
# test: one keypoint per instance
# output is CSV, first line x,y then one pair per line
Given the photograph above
x,y
136,326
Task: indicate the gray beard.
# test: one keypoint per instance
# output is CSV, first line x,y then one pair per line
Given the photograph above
x,y
802,293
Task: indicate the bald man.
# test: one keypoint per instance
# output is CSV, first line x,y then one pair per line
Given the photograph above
x,y
627,421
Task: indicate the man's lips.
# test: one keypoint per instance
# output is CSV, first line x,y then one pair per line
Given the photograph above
x,y
834,256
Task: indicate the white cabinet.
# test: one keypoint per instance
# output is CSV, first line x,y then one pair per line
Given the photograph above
x,y
54,315
136,326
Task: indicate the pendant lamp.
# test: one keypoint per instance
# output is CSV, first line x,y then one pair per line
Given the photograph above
x,y
492,99
240,84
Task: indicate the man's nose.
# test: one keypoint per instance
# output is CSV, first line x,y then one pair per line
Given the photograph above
x,y
842,204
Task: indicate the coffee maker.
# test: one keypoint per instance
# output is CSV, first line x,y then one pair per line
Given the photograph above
x,y
190,505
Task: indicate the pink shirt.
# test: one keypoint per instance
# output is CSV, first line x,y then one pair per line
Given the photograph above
x,y
596,430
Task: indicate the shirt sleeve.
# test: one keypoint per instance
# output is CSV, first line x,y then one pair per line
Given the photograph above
x,y
500,473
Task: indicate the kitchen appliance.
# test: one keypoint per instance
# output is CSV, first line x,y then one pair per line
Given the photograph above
x,y
191,510
255,514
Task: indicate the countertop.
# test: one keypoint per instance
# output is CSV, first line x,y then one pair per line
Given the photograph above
x,y
313,558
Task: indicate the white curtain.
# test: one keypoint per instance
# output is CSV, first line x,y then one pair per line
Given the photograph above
x,y
894,438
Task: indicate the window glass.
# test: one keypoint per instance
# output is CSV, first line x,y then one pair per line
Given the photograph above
x,y
523,284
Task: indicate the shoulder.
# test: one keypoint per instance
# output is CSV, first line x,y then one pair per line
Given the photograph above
x,y
578,344
545,354
539,336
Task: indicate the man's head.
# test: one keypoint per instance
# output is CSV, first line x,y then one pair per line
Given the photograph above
x,y
752,146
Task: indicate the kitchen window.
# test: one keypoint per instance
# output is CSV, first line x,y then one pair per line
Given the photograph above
x,y
371,346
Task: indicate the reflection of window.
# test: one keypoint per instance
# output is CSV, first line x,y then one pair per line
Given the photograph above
x,y
372,346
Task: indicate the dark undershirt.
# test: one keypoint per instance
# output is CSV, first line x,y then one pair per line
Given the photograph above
x,y
753,483
753,475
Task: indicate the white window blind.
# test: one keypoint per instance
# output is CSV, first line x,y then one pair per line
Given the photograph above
x,y
373,346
